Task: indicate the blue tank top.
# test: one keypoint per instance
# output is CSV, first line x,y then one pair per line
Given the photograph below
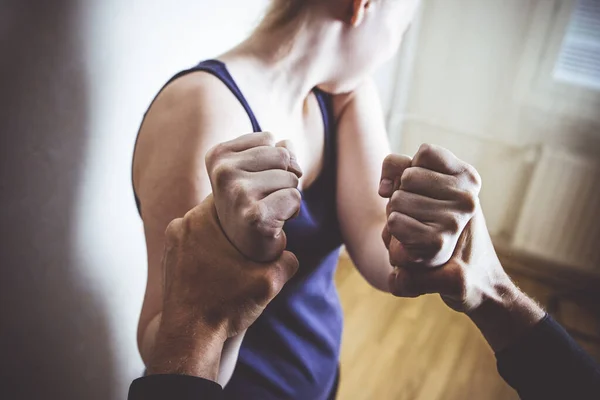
x,y
292,350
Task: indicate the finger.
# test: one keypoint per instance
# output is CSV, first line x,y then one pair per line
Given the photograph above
x,y
278,273
430,184
386,237
421,208
391,171
438,159
408,230
262,158
250,140
447,281
400,284
399,256
281,205
266,182
417,241
293,165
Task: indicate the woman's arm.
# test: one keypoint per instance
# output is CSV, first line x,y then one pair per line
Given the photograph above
x,y
190,116
362,147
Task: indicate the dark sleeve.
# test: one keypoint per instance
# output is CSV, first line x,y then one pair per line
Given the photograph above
x,y
174,387
549,364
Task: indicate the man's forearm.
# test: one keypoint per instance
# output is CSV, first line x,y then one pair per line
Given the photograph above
x,y
229,354
506,316
534,354
187,349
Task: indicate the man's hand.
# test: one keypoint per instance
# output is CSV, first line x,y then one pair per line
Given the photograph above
x,y
254,184
439,242
212,292
436,232
432,198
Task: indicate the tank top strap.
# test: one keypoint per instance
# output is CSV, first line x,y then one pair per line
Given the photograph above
x,y
325,101
219,70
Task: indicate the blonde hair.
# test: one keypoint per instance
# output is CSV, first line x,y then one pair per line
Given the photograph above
x,y
280,13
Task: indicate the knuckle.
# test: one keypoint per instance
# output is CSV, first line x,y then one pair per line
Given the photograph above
x,y
394,222
408,177
268,138
436,244
174,231
268,285
187,222
473,176
294,181
257,218
239,190
426,152
469,202
390,159
452,223
295,196
284,157
222,174
397,198
426,149
213,154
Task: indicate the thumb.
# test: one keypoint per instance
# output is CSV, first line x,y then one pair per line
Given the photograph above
x,y
277,273
288,266
391,172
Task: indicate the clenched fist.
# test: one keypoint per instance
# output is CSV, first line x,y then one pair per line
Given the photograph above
x,y
432,198
436,232
209,283
254,184
211,293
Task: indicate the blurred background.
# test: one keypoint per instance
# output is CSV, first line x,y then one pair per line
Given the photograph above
x,y
510,86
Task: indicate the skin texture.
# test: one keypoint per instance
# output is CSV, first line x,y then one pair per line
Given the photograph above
x,y
235,291
255,188
212,291
438,240
276,70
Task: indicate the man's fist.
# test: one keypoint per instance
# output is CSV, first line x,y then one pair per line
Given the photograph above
x,y
432,198
436,232
254,184
208,283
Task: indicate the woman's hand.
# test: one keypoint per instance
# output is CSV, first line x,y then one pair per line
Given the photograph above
x,y
254,184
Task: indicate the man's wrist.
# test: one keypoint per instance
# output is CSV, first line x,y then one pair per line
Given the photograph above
x,y
506,316
187,348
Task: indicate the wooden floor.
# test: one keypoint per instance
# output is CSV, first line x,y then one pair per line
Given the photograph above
x,y
415,348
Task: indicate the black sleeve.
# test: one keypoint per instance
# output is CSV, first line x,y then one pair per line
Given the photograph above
x,y
174,387
549,364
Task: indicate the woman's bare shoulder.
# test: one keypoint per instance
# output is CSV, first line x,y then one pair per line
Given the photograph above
x,y
189,116
200,99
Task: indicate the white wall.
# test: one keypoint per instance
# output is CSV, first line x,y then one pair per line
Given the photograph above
x,y
133,48
482,87
76,79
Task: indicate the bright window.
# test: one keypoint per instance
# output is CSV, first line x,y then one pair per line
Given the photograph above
x,y
579,59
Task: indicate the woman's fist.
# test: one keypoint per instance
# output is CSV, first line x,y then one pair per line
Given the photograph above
x,y
255,189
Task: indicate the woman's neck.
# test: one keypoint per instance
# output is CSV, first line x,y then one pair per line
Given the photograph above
x,y
289,61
